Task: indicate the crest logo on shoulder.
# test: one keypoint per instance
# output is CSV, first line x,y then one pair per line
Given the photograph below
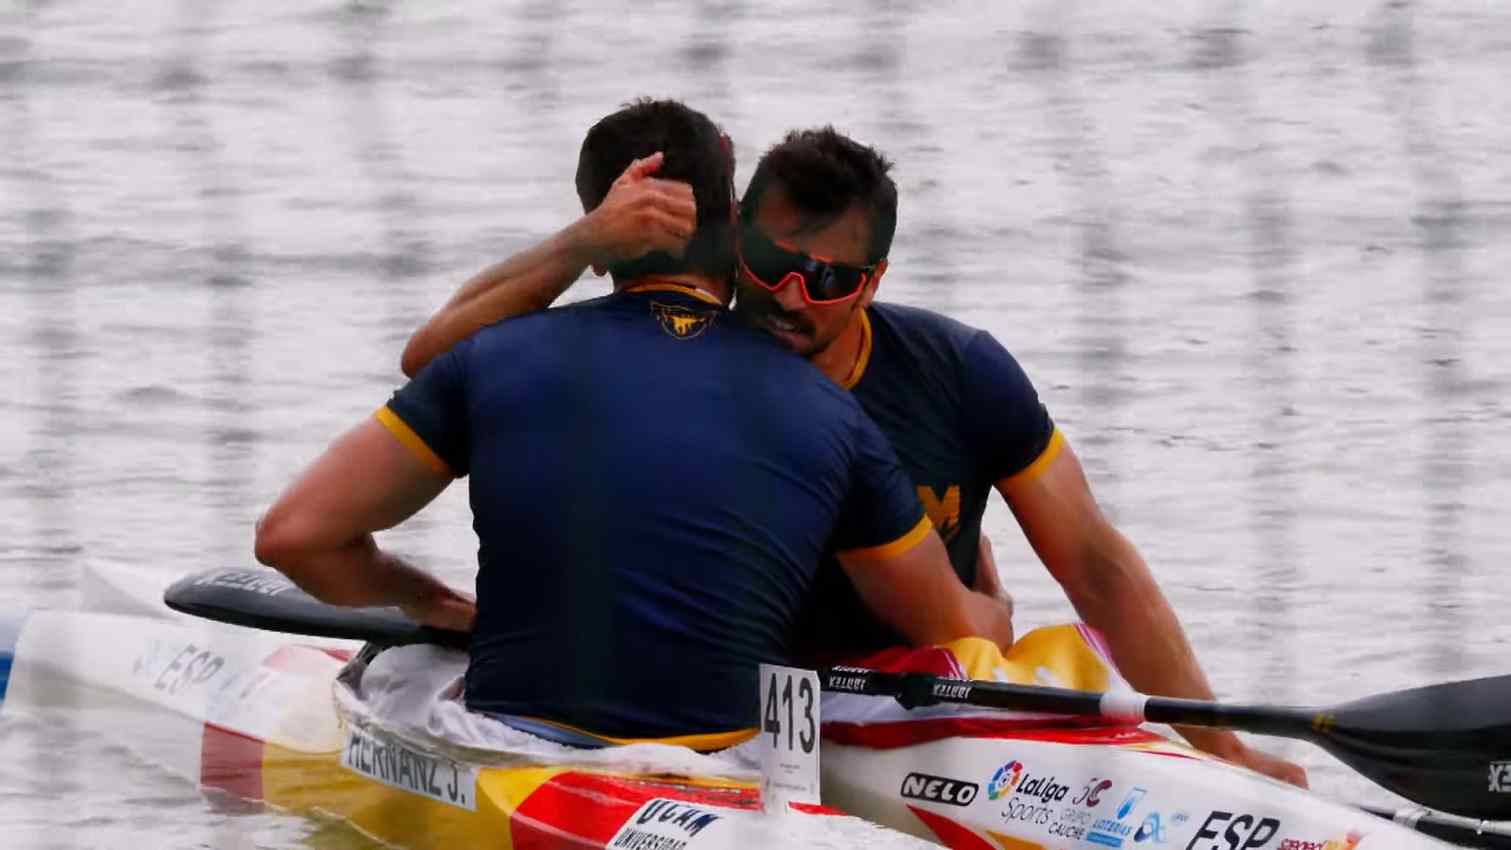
x,y
680,322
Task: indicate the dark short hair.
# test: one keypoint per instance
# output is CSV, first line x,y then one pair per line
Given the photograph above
x,y
825,172
696,152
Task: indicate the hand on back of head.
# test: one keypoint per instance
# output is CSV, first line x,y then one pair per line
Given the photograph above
x,y
640,214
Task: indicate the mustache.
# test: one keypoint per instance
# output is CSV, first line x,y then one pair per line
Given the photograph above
x,y
763,312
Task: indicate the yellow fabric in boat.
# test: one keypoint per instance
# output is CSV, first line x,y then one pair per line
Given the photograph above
x,y
1051,655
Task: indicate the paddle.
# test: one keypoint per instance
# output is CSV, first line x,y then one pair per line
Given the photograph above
x,y
1439,746
265,599
1450,828
1445,746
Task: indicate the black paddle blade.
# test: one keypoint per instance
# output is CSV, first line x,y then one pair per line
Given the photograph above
x,y
1445,746
265,599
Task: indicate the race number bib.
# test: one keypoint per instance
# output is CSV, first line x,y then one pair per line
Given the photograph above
x,y
789,736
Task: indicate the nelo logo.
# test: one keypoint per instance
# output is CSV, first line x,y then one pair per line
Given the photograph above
x,y
939,789
1004,780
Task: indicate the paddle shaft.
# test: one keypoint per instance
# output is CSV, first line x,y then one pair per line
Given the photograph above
x,y
920,689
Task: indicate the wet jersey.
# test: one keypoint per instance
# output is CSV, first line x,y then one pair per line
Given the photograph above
x,y
962,415
653,487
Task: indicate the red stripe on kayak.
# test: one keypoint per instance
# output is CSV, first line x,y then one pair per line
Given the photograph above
x,y
231,762
586,809
951,834
906,733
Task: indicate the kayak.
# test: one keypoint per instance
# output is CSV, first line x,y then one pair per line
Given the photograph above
x,y
252,714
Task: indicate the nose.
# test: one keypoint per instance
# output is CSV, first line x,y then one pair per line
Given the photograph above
x,y
790,294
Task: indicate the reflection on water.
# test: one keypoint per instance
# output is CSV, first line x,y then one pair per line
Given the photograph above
x,y
1251,262
1439,224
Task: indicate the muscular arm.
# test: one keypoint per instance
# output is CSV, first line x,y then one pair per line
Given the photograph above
x,y
1112,589
319,532
525,283
640,214
917,593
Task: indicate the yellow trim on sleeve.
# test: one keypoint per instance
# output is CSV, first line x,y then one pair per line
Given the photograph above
x,y
705,742
1042,462
864,358
412,441
897,547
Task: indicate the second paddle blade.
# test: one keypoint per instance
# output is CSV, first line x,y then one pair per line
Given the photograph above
x,y
1445,746
265,599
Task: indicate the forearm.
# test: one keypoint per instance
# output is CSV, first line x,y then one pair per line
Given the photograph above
x,y
1123,602
357,574
990,617
525,283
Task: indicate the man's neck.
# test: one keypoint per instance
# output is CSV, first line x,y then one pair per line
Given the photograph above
x,y
703,283
838,359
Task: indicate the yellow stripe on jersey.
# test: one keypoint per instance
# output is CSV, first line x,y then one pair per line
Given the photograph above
x,y
704,743
864,358
897,547
1042,462
668,286
412,441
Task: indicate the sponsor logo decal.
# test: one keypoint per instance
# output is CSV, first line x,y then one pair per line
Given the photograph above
x,y
1152,829
939,789
260,582
1345,843
680,322
1071,825
951,690
1004,780
1091,795
397,766
1500,777
1111,832
1230,831
662,824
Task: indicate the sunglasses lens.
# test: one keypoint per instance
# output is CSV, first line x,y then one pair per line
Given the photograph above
x,y
832,283
771,264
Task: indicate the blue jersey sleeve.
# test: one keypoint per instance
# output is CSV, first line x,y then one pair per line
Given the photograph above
x,y
429,414
1006,426
881,512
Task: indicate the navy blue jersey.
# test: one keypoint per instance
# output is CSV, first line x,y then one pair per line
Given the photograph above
x,y
653,487
962,415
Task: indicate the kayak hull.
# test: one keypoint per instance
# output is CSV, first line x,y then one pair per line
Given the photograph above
x,y
253,715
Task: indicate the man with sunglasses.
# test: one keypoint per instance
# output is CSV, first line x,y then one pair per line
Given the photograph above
x,y
818,220
646,535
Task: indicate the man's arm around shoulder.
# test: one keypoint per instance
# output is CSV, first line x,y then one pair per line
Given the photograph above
x,y
639,215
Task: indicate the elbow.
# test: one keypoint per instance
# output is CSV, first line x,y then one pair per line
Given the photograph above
x,y
278,543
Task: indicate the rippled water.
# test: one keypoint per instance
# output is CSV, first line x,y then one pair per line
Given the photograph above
x,y
1249,252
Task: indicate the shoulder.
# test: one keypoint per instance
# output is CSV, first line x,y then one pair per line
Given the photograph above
x,y
920,323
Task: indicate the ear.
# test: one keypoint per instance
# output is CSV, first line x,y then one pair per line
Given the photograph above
x,y
600,269
870,292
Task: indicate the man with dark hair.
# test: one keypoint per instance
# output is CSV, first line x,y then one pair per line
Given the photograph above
x,y
646,535
818,219
959,410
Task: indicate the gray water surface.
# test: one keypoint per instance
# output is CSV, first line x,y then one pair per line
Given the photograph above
x,y
1250,253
